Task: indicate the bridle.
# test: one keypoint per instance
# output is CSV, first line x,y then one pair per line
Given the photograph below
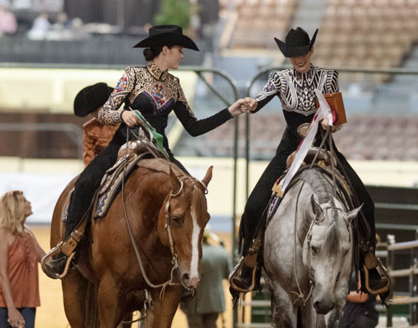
x,y
174,259
167,225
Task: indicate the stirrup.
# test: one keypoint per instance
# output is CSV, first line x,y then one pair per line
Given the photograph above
x,y
383,274
48,257
235,273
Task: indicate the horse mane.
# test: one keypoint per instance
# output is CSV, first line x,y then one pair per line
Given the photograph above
x,y
316,181
323,192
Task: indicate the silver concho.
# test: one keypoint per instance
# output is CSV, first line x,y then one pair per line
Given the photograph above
x,y
303,129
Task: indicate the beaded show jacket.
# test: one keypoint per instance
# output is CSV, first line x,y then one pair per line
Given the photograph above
x,y
155,94
296,92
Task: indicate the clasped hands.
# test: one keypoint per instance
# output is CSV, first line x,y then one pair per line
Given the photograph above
x,y
243,106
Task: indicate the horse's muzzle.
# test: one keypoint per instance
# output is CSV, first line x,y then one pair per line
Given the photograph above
x,y
189,282
323,306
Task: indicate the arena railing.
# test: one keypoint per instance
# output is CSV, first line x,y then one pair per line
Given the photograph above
x,y
74,132
411,273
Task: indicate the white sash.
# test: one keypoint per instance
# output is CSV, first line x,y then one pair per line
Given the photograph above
x,y
323,111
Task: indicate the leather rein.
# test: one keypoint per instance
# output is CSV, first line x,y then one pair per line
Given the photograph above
x,y
174,259
300,295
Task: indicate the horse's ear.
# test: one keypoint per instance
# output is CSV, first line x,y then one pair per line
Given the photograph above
x,y
353,214
315,206
208,176
175,182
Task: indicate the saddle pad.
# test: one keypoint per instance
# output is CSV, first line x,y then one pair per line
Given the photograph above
x,y
112,181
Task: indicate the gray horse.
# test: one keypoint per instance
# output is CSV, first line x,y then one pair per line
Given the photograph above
x,y
308,253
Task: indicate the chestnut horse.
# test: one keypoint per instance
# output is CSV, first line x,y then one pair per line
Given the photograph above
x,y
155,222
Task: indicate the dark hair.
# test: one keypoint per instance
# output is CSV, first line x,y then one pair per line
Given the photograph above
x,y
151,53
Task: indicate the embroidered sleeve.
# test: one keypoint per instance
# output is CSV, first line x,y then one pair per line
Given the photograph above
x,y
111,111
270,90
182,98
192,125
332,82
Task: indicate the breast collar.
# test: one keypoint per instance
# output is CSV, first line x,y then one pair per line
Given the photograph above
x,y
156,72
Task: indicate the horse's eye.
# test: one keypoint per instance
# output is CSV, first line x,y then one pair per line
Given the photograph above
x,y
315,249
176,219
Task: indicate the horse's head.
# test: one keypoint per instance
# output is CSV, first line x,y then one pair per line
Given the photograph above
x,y
327,252
182,221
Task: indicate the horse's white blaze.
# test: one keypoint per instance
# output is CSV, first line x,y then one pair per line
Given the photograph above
x,y
194,273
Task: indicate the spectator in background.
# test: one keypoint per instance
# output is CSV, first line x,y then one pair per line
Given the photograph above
x,y
203,310
62,28
8,22
19,254
40,27
96,136
63,22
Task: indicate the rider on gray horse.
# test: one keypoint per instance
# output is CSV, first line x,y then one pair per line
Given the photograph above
x,y
295,88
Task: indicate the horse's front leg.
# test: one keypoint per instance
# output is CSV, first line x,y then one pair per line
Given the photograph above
x,y
283,312
165,308
74,287
111,302
332,319
309,317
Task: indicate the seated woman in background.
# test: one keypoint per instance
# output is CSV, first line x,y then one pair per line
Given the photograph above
x,y
19,256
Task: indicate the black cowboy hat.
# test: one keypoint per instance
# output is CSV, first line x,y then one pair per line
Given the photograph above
x,y
167,35
91,98
297,43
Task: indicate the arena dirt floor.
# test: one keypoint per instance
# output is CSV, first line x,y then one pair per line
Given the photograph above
x,y
51,312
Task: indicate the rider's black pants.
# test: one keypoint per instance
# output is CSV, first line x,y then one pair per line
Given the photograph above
x,y
89,180
87,183
261,193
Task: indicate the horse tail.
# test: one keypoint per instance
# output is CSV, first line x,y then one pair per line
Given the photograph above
x,y
92,318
